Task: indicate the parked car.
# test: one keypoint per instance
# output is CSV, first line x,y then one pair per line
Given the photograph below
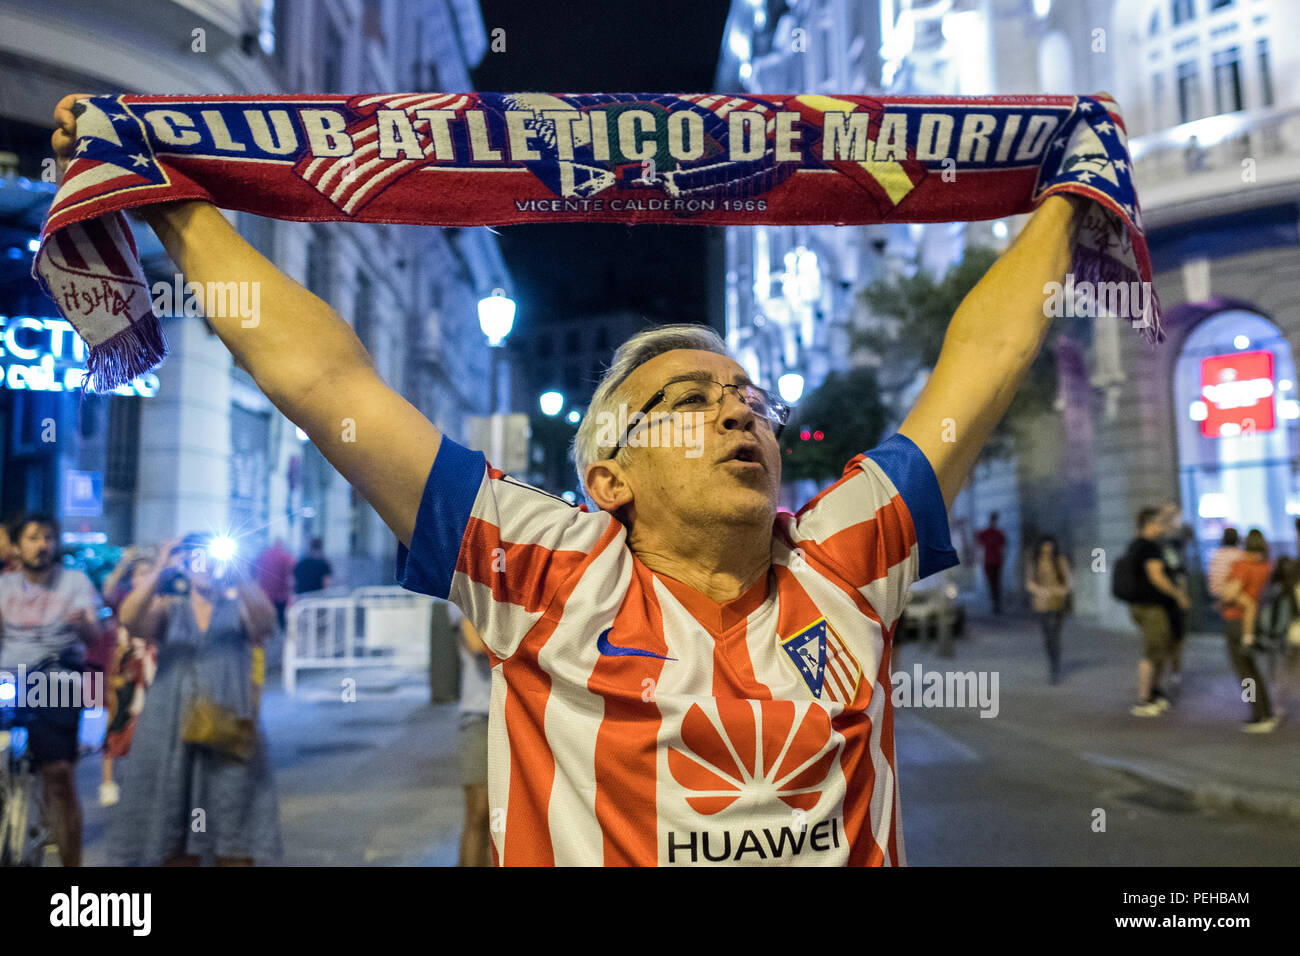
x,y
929,602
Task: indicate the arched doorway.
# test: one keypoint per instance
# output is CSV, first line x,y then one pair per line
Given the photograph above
x,y
1235,404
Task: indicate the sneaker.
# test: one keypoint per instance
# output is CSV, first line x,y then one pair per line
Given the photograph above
x,y
1265,726
1160,702
108,794
1146,710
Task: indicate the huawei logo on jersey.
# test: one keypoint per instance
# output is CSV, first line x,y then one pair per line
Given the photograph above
x,y
762,748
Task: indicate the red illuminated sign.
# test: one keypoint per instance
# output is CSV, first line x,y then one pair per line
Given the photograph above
x,y
1238,393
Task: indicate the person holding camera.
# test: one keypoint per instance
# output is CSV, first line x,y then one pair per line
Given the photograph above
x,y
198,786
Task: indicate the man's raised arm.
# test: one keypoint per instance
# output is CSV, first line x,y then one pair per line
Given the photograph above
x,y
303,356
990,344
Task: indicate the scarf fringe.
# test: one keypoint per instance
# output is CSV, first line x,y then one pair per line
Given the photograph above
x,y
1089,265
133,351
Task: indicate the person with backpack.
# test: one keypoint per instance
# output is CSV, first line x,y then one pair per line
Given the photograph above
x,y
1243,601
1143,580
1287,670
1277,629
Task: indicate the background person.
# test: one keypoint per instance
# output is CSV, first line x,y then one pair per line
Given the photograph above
x,y
1241,594
475,704
994,545
129,676
1049,585
9,560
209,626
1274,624
273,572
1288,666
313,572
1157,595
1173,551
1228,553
47,609
130,671
121,580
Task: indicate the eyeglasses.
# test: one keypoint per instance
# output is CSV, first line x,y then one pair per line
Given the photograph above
x,y
704,395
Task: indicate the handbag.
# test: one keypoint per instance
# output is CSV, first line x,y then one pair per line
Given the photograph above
x,y
206,723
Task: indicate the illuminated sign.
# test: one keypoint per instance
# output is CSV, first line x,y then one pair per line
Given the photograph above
x,y
47,355
1238,394
83,493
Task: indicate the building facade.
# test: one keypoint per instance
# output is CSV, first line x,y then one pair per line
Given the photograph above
x,y
568,355
204,449
790,296
1211,96
793,294
1209,419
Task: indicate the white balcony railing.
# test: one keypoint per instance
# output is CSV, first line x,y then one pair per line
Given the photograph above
x,y
1221,155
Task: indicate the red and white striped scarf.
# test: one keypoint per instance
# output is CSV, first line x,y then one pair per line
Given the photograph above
x,y
492,158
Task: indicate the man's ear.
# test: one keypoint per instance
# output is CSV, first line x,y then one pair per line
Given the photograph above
x,y
608,486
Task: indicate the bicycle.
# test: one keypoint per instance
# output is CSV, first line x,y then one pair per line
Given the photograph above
x,y
26,838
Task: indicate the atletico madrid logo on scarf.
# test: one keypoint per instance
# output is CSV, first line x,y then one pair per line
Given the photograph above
x,y
824,662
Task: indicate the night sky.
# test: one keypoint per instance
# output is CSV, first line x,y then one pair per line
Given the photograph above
x,y
584,46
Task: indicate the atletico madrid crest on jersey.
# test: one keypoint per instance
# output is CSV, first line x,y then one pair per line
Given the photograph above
x,y
824,662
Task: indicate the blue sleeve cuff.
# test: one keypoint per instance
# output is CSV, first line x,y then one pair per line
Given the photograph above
x,y
445,507
910,471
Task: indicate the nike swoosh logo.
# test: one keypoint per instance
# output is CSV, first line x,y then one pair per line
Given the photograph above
x,y
613,650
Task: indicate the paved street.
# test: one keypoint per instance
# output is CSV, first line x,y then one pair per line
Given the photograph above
x,y
1024,787
375,782
370,782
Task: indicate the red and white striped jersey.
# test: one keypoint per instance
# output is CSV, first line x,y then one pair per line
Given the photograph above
x,y
636,721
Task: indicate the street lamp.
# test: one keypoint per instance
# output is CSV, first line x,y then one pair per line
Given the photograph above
x,y
552,403
496,317
790,385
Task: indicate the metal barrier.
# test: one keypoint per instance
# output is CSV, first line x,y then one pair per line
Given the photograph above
x,y
371,627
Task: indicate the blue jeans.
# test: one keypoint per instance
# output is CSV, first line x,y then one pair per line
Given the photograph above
x,y
1052,622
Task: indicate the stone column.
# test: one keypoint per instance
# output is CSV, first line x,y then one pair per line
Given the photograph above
x,y
184,473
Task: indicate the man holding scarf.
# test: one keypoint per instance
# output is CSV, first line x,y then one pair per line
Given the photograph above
x,y
686,675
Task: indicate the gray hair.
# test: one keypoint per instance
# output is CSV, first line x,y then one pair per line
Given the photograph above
x,y
631,355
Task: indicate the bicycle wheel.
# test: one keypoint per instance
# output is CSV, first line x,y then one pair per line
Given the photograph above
x,y
11,843
40,848
24,837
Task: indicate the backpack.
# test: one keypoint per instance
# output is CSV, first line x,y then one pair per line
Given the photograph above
x,y
1274,614
1126,583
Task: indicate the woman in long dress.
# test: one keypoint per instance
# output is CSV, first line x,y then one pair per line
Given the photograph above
x,y
186,803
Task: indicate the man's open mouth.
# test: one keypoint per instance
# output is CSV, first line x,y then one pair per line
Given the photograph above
x,y
745,453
